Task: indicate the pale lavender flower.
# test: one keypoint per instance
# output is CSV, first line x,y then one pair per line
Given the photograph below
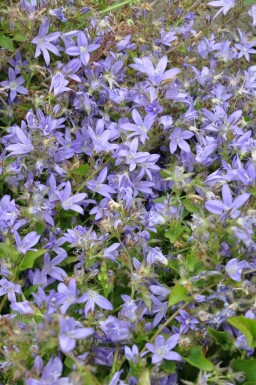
x,y
162,349
9,288
22,307
155,255
50,267
14,84
234,268
178,139
66,295
132,354
70,331
227,205
140,128
225,5
51,374
82,49
8,212
69,202
252,13
155,75
24,145
245,47
159,309
58,84
115,330
92,298
100,187
167,38
43,41
132,156
187,321
27,242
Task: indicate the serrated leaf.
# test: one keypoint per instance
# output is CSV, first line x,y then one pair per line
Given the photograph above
x,y
20,37
7,43
178,293
190,206
197,359
29,259
82,170
247,326
248,367
222,339
174,233
144,378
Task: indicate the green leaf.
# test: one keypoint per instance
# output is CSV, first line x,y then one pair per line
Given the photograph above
x,y
248,367
178,293
30,258
221,338
249,2
7,43
190,206
5,250
196,358
144,378
68,362
173,233
20,37
247,326
168,366
82,170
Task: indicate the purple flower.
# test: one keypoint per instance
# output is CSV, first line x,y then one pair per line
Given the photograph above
x,y
82,49
162,349
244,46
225,5
27,242
66,295
158,308
132,156
177,139
24,145
91,298
8,212
101,138
154,108
227,205
114,329
155,255
50,267
14,84
43,41
51,374
132,354
98,185
9,288
187,321
167,37
140,128
252,13
234,269
22,307
70,202
155,75
70,331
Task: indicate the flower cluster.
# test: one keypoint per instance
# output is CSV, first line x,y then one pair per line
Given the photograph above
x,y
127,210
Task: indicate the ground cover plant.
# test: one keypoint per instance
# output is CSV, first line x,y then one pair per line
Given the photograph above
x,y
127,208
